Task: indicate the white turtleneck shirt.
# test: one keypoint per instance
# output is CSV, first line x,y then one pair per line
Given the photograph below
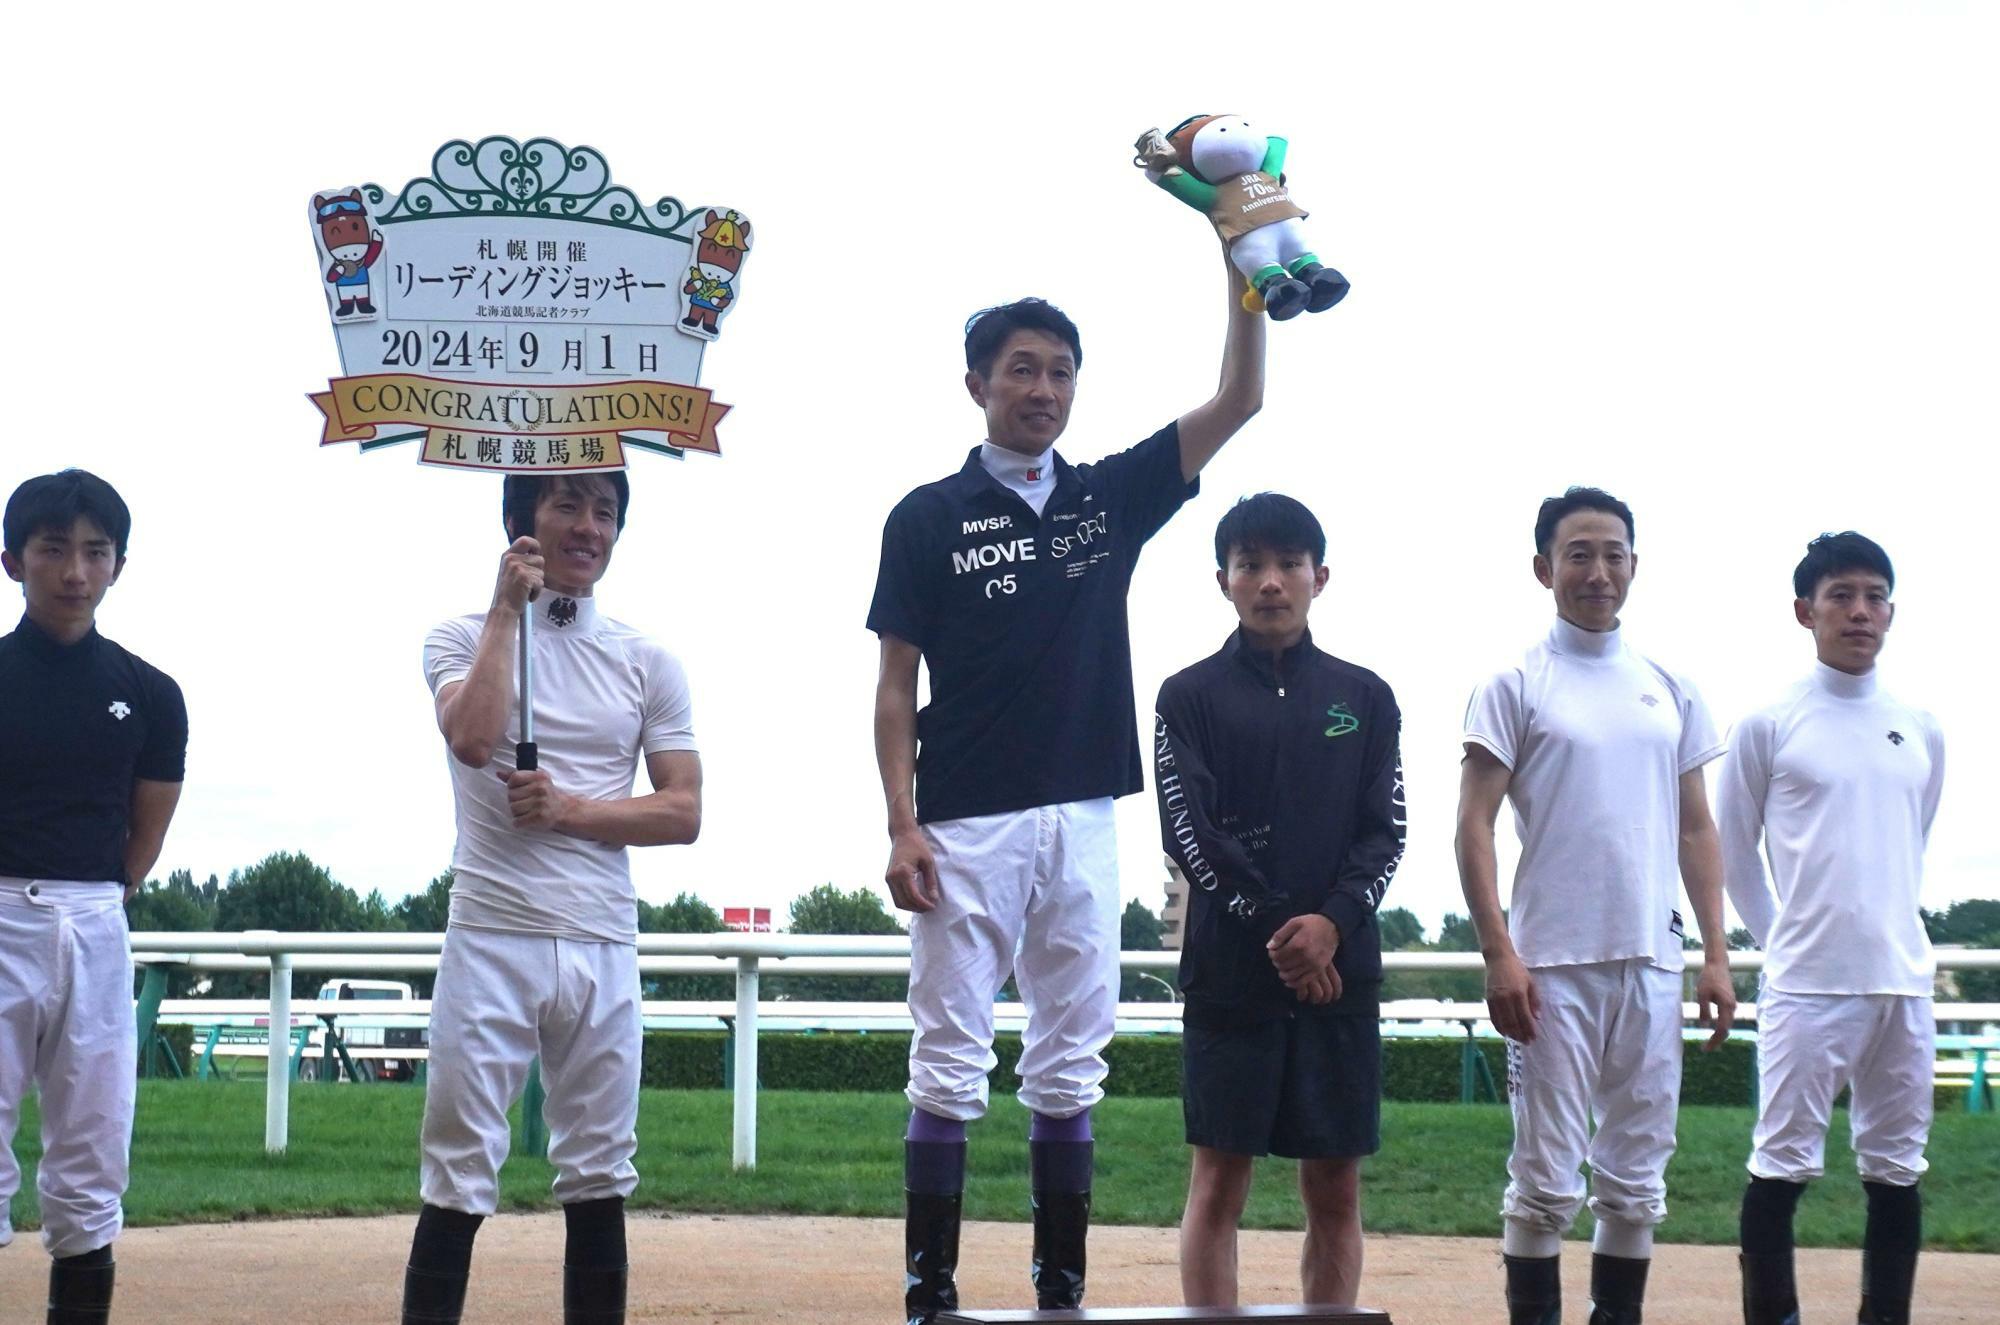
x,y
1841,781
1031,477
1597,737
605,696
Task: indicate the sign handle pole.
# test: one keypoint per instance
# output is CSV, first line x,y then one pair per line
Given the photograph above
x,y
524,750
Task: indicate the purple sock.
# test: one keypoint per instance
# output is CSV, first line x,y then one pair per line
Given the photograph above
x,y
930,1127
1076,1127
934,1155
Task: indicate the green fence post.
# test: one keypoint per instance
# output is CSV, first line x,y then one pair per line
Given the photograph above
x,y
150,995
534,1128
1466,1054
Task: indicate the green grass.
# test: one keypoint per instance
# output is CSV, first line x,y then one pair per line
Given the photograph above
x,y
197,1155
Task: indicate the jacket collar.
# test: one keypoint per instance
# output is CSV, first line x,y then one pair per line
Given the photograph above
x,y
1259,660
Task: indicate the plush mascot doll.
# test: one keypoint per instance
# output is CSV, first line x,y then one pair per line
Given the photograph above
x,y
1219,165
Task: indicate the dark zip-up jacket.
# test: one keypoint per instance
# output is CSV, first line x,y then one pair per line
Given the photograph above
x,y
1280,789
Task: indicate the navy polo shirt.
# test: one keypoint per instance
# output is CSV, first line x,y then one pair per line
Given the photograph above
x,y
78,723
1021,620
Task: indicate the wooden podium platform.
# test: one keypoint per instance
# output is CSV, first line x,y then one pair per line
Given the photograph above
x,y
1302,1315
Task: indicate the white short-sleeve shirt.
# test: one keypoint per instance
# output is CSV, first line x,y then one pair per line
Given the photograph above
x,y
1597,737
605,696
1841,781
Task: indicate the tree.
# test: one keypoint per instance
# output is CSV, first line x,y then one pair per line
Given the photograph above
x,y
1973,923
166,909
1456,934
377,916
283,891
827,910
170,909
686,914
1139,930
1400,929
427,912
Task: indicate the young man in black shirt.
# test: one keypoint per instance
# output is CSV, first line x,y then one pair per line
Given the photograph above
x,y
1008,579
1280,789
93,743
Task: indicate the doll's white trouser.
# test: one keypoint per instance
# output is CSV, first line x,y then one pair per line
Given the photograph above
x,y
66,1028
1607,1051
1033,893
1279,242
1882,1047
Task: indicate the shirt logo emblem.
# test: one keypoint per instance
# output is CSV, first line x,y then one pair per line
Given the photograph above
x,y
1895,738
120,710
1650,701
1344,723
1034,476
562,612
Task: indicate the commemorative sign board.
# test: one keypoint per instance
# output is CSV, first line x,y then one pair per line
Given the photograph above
x,y
515,311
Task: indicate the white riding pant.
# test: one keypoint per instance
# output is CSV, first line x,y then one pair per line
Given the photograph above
x,y
1032,893
500,1001
1881,1047
66,1027
1606,1054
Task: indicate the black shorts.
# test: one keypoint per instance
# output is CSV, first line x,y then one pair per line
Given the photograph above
x,y
1304,1087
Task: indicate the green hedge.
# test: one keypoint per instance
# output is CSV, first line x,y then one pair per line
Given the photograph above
x,y
1141,1065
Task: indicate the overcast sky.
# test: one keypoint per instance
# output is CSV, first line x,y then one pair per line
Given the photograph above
x,y
1735,263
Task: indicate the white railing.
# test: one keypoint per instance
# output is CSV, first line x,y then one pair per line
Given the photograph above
x,y
745,956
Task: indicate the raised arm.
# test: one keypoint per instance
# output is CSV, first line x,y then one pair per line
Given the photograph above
x,y
912,873
472,713
1701,873
152,810
1239,394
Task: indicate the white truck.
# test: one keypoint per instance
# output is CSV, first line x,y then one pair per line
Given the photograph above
x,y
386,1046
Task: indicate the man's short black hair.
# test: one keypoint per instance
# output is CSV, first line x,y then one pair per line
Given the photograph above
x,y
1555,509
988,329
54,501
1830,554
522,493
1271,521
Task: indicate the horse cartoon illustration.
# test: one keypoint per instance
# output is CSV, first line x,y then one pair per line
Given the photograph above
x,y
711,284
352,245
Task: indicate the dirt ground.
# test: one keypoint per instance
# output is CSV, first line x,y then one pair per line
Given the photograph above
x,y
727,1270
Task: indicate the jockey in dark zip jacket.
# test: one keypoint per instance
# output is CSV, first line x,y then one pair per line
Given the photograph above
x,y
1280,788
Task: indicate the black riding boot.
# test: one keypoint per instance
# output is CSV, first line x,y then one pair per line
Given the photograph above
x,y
594,1294
1770,1290
930,1254
1534,1290
1770,1285
594,1262
1059,1181
1617,1289
1889,1253
80,1288
440,1262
